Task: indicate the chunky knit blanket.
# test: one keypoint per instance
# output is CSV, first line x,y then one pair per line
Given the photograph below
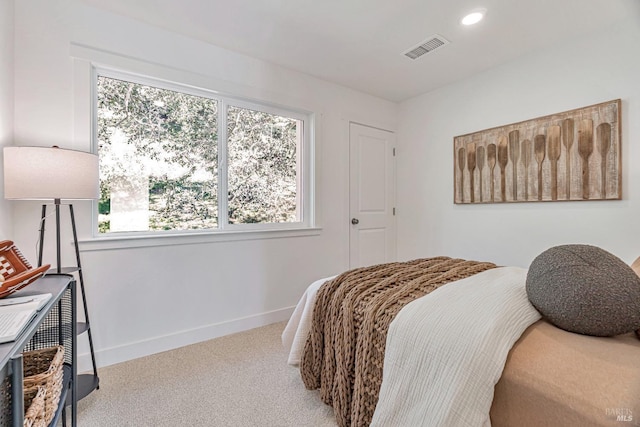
x,y
344,353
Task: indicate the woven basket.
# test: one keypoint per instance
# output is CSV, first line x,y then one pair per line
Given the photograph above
x,y
34,407
43,368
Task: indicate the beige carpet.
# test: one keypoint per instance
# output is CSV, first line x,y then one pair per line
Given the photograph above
x,y
237,380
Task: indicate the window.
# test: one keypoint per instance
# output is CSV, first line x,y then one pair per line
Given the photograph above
x,y
175,158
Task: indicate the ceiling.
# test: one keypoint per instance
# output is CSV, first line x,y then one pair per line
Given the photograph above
x,y
360,43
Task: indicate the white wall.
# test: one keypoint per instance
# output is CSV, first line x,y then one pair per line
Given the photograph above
x,y
6,105
148,299
573,74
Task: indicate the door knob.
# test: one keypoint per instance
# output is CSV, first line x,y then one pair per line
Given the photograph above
x,y
354,221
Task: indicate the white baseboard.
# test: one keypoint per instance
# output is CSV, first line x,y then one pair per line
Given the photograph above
x,y
122,353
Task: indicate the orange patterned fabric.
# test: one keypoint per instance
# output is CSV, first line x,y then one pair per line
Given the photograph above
x,y
15,271
344,353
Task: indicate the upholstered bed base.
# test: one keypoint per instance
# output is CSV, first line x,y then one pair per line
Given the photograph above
x,y
553,377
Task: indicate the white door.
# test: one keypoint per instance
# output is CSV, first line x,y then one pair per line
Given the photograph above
x,y
372,239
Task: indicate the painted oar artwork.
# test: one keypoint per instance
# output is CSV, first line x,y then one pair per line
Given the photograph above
x,y
569,156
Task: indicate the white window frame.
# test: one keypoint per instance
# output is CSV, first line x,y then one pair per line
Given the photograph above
x,y
243,231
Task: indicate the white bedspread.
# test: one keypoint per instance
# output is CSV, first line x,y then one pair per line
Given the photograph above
x,y
446,351
295,333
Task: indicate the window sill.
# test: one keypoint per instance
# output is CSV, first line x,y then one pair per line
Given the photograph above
x,y
103,243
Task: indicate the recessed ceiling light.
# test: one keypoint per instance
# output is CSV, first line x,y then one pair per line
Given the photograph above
x,y
473,18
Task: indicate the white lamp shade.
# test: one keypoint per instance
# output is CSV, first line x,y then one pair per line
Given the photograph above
x,y
43,173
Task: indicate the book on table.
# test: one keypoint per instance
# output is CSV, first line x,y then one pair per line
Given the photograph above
x,y
17,312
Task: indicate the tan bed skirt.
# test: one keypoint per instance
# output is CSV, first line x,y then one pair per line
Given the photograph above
x,y
553,377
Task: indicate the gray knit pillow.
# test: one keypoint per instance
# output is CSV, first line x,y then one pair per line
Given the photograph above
x,y
585,289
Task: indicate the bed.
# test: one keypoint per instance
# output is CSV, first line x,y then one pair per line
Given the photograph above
x,y
474,352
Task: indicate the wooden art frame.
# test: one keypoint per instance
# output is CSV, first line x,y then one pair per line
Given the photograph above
x,y
574,155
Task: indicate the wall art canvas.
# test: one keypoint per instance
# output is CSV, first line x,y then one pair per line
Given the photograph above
x,y
574,155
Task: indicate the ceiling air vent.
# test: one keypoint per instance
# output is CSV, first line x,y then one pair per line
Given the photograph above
x,y
429,45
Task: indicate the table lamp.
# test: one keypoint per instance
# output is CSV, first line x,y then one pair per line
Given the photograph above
x,y
53,173
50,173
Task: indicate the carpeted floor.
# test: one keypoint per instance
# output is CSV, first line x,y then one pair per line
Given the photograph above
x,y
238,380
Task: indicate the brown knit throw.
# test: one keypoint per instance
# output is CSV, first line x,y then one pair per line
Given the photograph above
x,y
344,353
